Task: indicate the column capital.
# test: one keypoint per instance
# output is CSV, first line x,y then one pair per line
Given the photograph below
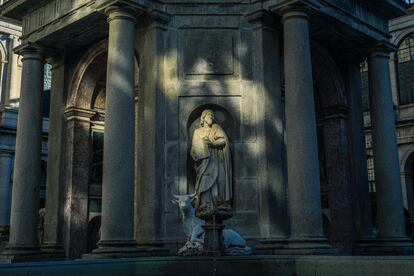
x,y
30,50
382,49
121,12
294,11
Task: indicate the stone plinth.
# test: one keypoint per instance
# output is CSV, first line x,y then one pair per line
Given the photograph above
x,y
213,227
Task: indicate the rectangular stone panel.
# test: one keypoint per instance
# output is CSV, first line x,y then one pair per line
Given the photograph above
x,y
208,53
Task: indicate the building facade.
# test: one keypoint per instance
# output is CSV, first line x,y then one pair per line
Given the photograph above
x,y
129,82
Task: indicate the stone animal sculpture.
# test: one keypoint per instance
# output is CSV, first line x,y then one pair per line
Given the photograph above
x,y
234,244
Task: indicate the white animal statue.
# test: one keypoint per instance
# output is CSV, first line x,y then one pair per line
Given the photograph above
x,y
191,224
234,244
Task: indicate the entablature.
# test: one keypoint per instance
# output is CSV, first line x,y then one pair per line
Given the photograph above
x,y
37,14
69,21
369,17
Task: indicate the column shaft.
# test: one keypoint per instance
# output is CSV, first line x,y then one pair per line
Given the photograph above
x,y
302,146
118,164
387,172
25,195
362,201
5,188
53,239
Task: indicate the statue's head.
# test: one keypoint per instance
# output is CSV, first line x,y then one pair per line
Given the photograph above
x,y
184,202
207,117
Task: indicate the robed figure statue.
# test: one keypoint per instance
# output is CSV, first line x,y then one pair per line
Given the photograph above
x,y
210,150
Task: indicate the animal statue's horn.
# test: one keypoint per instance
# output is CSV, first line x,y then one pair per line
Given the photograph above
x,y
175,196
193,195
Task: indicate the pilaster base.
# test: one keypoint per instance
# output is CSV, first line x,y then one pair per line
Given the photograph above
x,y
384,246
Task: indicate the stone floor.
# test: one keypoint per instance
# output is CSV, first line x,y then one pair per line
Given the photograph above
x,y
249,265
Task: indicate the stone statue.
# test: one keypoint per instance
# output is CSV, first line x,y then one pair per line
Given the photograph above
x,y
210,150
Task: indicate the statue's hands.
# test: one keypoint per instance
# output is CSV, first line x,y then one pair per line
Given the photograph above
x,y
207,141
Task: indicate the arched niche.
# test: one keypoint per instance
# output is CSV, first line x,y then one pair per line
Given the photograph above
x,y
222,117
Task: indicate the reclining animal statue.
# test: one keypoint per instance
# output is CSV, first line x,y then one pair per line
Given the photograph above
x,y
234,244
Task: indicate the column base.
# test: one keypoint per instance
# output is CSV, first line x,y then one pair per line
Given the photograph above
x,y
384,246
15,254
123,249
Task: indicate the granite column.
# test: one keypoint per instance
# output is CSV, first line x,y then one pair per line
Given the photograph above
x,y
5,192
53,220
387,172
25,195
117,230
362,200
302,147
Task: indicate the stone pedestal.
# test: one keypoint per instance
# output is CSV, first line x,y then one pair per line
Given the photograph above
x,y
213,238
